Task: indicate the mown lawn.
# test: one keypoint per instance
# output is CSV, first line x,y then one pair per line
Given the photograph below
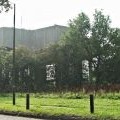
x,y
105,107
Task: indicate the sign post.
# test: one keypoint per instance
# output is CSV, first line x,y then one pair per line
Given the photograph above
x,y
27,94
91,103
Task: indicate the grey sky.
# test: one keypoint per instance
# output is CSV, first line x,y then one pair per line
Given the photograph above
x,y
33,14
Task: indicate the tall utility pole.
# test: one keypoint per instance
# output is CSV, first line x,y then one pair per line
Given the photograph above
x,y
14,57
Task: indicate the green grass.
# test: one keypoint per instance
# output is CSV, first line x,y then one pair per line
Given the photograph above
x,y
59,104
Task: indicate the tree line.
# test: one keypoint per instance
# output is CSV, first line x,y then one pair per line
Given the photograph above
x,y
89,53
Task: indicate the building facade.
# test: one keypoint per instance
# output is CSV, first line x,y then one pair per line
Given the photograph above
x,y
33,39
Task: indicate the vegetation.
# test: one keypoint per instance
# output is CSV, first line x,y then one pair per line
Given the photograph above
x,y
86,59
60,105
96,44
4,5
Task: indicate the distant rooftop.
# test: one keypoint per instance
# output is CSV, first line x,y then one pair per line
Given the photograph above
x,y
34,39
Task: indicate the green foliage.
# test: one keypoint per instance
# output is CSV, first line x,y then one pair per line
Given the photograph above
x,y
66,95
95,42
5,69
4,5
57,106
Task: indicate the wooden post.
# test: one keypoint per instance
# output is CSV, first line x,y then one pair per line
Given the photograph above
x,y
13,98
91,103
27,101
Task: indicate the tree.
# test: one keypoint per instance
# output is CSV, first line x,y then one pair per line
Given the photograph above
x,y
4,5
97,43
24,69
113,63
101,43
76,40
5,69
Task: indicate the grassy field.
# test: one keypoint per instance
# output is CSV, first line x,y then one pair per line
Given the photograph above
x,y
106,105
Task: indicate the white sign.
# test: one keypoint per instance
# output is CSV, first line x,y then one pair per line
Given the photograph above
x,y
50,70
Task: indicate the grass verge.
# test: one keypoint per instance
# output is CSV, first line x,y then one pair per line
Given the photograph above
x,y
54,106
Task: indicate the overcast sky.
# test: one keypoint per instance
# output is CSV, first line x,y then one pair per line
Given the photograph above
x,y
34,14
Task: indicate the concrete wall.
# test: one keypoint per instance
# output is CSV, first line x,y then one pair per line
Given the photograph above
x,y
34,39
